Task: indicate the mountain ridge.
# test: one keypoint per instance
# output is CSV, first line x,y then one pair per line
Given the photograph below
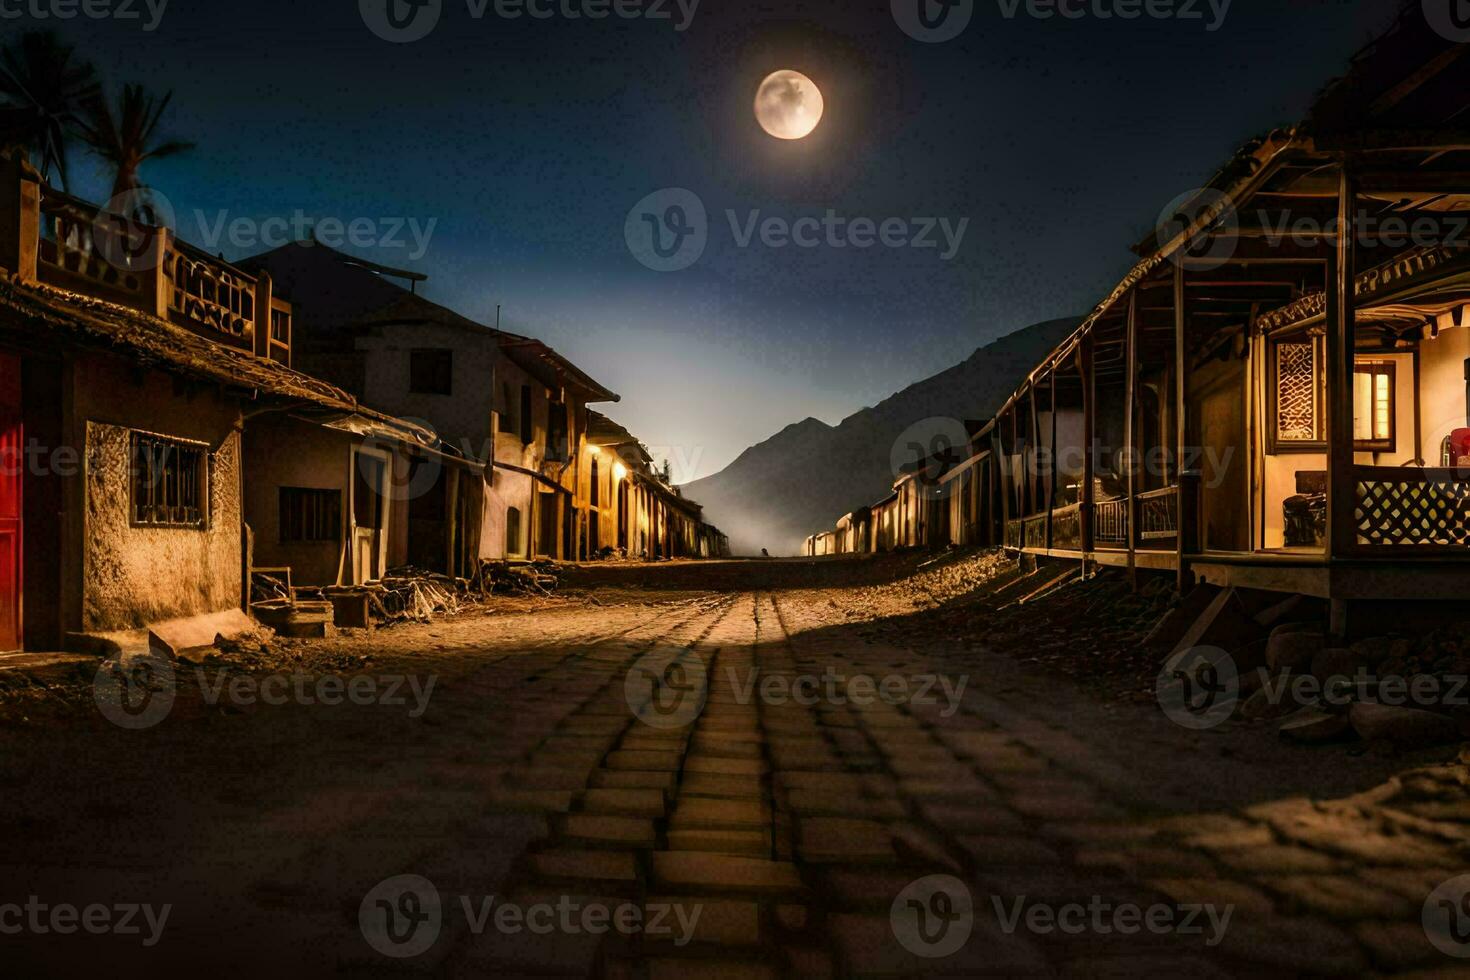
x,y
804,477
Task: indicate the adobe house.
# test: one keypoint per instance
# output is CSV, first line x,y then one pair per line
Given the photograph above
x,y
507,402
631,510
130,365
1275,396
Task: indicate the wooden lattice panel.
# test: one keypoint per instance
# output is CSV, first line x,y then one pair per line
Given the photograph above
x,y
1296,392
1427,512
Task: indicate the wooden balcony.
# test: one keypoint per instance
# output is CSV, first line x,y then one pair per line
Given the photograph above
x,y
83,249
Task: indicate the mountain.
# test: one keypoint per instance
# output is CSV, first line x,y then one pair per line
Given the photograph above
x,y
809,474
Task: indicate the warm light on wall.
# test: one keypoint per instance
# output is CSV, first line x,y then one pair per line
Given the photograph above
x,y
619,471
594,450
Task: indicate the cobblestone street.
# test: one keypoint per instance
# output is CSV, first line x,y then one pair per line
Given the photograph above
x,y
767,782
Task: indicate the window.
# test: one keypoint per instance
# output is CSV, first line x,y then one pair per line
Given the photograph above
x,y
508,421
1373,406
1296,391
310,515
368,485
527,430
596,488
168,481
431,372
513,531
558,448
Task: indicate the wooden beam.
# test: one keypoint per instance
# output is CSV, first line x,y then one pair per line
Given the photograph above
x,y
1130,435
1181,376
1340,322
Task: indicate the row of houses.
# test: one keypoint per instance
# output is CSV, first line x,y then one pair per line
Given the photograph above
x,y
171,422
1277,394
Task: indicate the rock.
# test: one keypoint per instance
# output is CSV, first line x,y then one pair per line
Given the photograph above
x,y
161,648
1250,656
1373,650
1405,726
1337,662
1293,651
1314,725
1260,706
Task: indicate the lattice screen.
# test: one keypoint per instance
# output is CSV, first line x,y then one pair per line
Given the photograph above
x,y
1297,417
1430,512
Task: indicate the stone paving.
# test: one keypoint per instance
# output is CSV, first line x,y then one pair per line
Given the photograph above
x,y
816,831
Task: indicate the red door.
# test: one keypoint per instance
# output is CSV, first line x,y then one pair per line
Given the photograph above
x,y
12,457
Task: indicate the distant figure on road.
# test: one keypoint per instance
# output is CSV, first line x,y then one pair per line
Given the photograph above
x,y
765,553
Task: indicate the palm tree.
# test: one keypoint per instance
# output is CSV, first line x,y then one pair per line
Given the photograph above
x,y
128,139
43,90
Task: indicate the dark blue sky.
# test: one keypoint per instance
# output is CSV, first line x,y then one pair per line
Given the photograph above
x,y
527,142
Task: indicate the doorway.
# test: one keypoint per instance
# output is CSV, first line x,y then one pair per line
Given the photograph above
x,y
369,515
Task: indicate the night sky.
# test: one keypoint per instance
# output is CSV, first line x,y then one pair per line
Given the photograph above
x,y
528,141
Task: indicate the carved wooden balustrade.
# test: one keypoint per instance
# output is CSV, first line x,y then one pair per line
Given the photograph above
x,y
1013,535
1034,533
1066,528
1158,514
1110,523
1420,507
209,292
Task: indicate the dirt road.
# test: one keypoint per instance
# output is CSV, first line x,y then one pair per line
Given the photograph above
x,y
720,771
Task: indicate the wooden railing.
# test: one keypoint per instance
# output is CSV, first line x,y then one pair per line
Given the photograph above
x,y
1066,528
210,292
1034,533
1013,538
81,250
1158,514
1110,523
1420,507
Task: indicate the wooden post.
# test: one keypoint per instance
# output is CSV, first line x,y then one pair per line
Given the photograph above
x,y
1185,480
1130,435
1089,438
1034,503
1005,477
1051,482
1341,534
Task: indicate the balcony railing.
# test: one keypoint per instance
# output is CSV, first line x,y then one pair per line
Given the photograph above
x,y
1158,514
1110,523
1034,532
81,248
1066,528
1397,507
1013,535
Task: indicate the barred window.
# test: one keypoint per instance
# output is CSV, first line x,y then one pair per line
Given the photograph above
x,y
1297,392
310,515
168,482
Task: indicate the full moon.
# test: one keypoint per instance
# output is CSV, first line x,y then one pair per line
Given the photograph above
x,y
788,105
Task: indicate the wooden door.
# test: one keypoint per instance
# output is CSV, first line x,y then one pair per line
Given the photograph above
x,y
369,515
12,458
